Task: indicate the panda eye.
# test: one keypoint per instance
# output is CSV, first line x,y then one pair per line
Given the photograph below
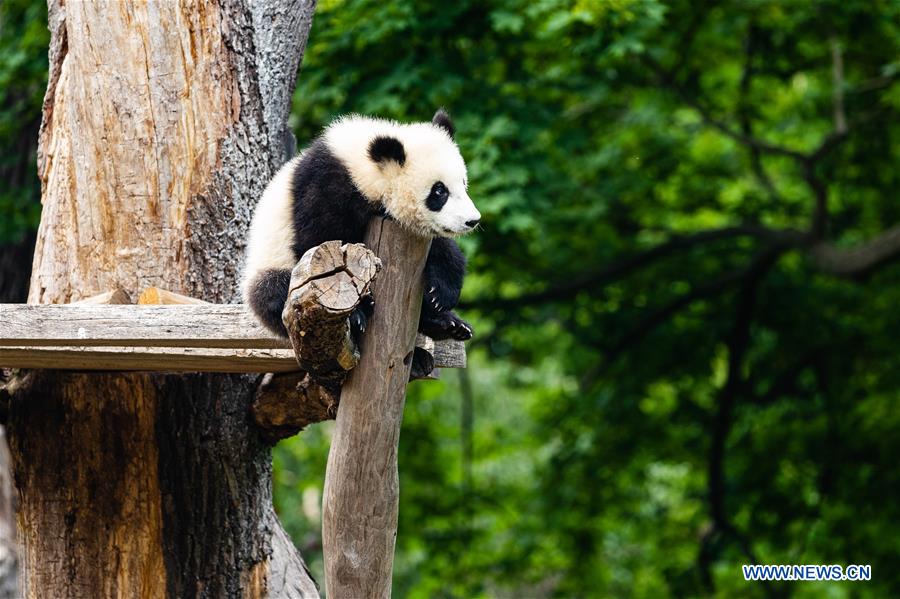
x,y
439,189
438,197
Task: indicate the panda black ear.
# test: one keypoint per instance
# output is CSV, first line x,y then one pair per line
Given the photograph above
x,y
442,120
384,148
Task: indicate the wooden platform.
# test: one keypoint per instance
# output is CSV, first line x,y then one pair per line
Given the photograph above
x,y
168,338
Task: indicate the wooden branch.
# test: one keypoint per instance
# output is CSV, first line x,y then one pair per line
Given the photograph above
x,y
859,260
448,353
327,284
285,404
361,495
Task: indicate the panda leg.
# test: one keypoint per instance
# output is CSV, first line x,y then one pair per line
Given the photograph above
x,y
444,272
267,293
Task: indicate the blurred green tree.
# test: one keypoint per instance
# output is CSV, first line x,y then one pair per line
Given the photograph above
x,y
23,78
685,290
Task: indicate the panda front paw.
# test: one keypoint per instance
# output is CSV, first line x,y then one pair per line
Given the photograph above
x,y
359,318
438,298
445,325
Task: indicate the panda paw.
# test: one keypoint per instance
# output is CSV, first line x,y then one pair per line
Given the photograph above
x,y
359,318
438,298
445,325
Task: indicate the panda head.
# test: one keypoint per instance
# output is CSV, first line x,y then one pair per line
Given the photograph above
x,y
425,177
415,171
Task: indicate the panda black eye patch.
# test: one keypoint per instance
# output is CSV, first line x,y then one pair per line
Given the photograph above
x,y
438,197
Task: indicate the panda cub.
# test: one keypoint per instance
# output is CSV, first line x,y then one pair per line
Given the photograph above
x,y
361,167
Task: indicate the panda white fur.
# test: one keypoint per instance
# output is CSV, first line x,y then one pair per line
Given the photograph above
x,y
360,167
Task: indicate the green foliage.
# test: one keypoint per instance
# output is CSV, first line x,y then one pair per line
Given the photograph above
x,y
23,78
652,398
594,132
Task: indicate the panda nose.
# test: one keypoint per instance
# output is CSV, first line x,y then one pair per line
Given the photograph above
x,y
471,223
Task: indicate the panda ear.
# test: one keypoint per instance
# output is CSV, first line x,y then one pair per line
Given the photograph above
x,y
442,120
384,148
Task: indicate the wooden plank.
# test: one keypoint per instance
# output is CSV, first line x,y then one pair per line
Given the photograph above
x,y
130,337
448,353
152,359
117,296
208,325
163,359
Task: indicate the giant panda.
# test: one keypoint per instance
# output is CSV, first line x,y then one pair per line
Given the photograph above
x,y
361,167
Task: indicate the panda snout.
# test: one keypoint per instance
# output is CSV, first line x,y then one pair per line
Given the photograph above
x,y
471,223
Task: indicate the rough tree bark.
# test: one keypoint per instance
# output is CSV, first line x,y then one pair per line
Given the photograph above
x,y
162,123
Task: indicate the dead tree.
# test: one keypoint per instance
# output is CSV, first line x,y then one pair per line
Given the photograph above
x,y
162,124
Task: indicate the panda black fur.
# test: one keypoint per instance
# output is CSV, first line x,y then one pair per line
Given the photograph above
x,y
358,168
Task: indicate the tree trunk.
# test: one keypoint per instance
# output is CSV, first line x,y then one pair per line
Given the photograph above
x,y
162,123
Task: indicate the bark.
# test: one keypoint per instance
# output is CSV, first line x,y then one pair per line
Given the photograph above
x,y
327,284
162,124
9,552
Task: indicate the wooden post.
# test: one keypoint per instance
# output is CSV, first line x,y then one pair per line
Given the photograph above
x,y
362,488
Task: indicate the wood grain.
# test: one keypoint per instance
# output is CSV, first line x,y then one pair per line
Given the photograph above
x,y
177,338
118,296
150,359
327,284
361,494
157,296
162,123
210,326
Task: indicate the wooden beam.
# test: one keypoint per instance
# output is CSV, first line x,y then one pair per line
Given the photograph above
x,y
448,353
286,403
208,325
179,359
159,296
151,359
172,338
117,296
360,502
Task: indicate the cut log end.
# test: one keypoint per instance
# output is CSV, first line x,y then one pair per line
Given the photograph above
x,y
327,284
